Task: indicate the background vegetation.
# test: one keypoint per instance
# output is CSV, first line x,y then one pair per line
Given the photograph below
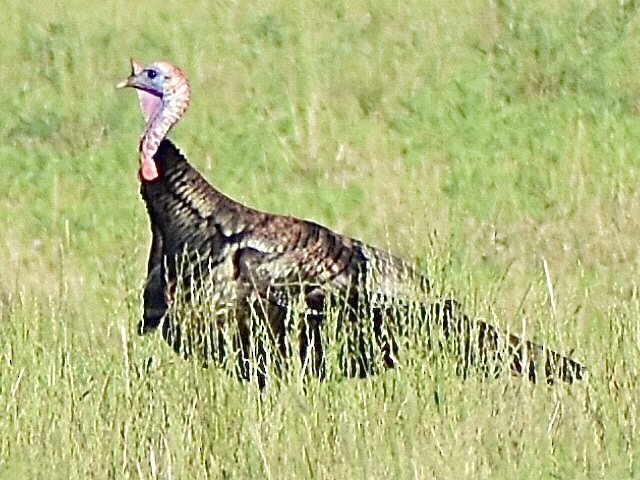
x,y
480,139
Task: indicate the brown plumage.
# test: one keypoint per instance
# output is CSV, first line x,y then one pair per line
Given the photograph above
x,y
233,265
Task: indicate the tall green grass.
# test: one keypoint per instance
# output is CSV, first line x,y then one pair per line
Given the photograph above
x,y
478,139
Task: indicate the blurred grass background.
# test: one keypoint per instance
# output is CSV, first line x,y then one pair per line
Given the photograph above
x,y
476,138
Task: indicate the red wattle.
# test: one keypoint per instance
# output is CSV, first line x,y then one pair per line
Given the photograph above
x,y
148,170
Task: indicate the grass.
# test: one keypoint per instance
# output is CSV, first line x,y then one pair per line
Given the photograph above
x,y
476,138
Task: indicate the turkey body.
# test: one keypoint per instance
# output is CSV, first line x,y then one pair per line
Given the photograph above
x,y
224,265
250,263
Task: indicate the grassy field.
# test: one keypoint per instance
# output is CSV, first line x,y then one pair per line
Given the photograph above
x,y
481,140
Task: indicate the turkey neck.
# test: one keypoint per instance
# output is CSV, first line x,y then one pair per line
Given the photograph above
x,y
171,107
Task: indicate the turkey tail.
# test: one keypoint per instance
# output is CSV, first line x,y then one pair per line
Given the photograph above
x,y
481,345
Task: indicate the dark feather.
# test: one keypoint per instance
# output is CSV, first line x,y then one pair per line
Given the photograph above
x,y
251,261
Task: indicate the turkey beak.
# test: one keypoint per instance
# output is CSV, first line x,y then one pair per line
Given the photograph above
x,y
130,81
127,82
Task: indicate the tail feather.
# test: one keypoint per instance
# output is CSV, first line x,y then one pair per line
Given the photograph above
x,y
482,345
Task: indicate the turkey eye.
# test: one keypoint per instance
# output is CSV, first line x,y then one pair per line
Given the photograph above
x,y
151,74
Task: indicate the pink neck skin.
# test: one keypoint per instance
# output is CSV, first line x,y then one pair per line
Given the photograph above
x,y
149,105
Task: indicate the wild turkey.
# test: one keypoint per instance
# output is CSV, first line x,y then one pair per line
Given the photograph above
x,y
235,265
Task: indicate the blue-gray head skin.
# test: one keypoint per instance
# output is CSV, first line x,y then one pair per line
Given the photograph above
x,y
164,94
